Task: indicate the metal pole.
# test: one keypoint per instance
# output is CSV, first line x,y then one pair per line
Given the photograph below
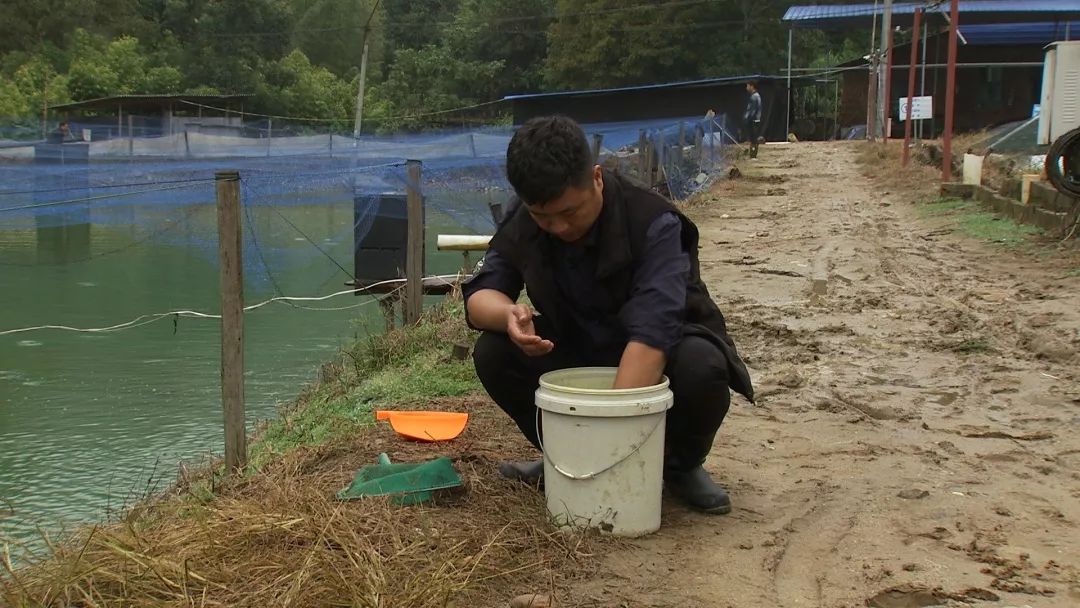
x,y
883,67
836,109
871,98
360,91
906,155
922,79
787,125
950,92
871,82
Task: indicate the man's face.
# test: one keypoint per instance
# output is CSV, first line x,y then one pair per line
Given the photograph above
x,y
749,88
570,216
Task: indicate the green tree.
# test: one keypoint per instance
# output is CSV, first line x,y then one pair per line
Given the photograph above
x,y
39,85
230,42
410,24
164,79
427,80
30,24
89,79
597,43
512,31
313,91
331,34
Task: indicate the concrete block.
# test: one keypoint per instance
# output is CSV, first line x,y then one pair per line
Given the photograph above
x,y
1026,181
985,195
1041,193
1046,196
956,190
1049,220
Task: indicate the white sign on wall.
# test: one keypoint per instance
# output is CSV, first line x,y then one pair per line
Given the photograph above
x,y
922,109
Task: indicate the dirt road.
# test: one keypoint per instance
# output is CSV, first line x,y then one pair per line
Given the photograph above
x,y
917,439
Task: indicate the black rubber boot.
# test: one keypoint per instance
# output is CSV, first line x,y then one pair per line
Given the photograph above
x,y
530,472
686,479
697,489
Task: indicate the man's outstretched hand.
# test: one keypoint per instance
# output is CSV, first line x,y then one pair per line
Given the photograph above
x,y
520,328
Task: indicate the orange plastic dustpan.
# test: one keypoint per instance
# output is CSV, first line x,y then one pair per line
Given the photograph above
x,y
425,426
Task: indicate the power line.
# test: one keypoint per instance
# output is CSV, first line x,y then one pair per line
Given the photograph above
x,y
375,118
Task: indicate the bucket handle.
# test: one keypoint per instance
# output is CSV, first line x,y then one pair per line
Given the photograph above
x,y
621,460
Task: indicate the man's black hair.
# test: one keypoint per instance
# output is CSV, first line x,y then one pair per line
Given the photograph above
x,y
547,155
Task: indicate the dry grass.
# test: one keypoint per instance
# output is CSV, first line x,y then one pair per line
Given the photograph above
x,y
280,538
277,536
881,161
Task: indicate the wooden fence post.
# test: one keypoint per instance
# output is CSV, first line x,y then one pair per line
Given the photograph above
x,y
414,252
231,270
597,140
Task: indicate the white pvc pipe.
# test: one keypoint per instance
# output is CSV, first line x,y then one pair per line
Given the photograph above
x,y
462,242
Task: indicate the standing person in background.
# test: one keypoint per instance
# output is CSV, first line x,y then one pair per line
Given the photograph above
x,y
62,134
752,116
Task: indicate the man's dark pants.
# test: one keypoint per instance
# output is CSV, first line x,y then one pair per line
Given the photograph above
x,y
755,133
696,368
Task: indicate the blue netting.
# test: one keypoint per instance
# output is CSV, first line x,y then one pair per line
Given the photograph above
x,y
164,185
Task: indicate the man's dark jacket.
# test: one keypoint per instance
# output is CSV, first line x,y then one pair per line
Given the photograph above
x,y
629,211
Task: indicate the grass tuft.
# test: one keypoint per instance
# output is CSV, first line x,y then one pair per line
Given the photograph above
x,y
972,220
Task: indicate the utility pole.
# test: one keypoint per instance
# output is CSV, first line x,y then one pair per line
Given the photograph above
x,y
360,93
871,97
363,73
883,71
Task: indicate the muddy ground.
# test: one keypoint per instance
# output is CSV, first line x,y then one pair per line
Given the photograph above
x,y
917,436
916,440
915,443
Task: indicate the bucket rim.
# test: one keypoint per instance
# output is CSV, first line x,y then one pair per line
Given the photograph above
x,y
545,382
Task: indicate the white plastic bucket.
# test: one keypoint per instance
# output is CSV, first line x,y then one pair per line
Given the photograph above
x,y
603,450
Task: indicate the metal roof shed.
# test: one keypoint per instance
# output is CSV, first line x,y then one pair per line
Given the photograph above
x,y
903,13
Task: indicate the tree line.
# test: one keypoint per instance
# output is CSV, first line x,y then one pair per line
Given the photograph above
x,y
301,58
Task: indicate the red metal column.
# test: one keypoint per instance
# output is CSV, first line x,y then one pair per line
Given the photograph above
x,y
911,85
950,92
